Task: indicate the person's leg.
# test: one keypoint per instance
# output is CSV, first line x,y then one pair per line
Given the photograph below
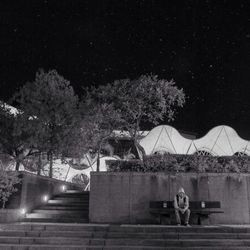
x,y
177,215
187,215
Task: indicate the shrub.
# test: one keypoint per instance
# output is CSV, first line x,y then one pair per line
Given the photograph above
x,y
8,182
183,163
81,179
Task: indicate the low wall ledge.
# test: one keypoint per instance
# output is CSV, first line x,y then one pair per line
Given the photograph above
x,y
166,174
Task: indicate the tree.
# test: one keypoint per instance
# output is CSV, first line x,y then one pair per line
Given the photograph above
x,y
143,100
13,142
99,121
8,182
81,179
50,113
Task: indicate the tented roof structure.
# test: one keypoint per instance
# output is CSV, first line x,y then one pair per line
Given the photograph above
x,y
219,141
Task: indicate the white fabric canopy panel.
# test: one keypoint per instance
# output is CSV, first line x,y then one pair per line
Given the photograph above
x,y
219,141
164,139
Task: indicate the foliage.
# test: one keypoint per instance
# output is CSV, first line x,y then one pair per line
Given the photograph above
x,y
50,113
13,142
32,162
8,182
184,163
100,119
143,100
81,179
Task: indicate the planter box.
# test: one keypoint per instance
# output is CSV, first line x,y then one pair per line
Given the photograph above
x,y
124,197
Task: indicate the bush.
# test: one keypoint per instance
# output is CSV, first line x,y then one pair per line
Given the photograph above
x,y
8,182
183,163
81,179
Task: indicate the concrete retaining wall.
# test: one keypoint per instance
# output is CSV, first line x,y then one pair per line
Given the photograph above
x,y
10,215
33,188
124,197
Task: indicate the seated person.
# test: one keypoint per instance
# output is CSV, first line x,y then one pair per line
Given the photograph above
x,y
181,205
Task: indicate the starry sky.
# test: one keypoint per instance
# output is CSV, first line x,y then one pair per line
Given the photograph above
x,y
203,45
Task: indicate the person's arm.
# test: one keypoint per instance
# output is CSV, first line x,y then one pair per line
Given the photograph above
x,y
175,203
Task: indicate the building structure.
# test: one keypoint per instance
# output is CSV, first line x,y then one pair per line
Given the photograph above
x,y
219,141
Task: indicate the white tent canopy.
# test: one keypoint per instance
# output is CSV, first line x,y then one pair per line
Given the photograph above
x,y
219,141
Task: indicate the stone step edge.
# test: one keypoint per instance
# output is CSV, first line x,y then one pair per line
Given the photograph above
x,y
86,247
112,234
88,226
102,239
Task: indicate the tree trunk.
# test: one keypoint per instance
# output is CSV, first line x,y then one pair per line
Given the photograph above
x,y
50,164
141,149
98,161
39,167
17,165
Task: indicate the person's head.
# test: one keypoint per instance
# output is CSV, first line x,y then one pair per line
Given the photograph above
x,y
181,192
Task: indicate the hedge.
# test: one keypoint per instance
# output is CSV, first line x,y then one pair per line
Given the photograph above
x,y
183,163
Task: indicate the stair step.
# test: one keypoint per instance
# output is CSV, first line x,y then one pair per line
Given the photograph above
x,y
86,247
182,229
71,199
127,229
60,212
75,192
68,202
57,220
104,234
123,242
57,215
66,234
44,240
33,226
84,195
62,207
172,235
176,242
63,203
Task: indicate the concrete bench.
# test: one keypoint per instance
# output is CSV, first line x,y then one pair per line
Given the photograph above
x,y
202,209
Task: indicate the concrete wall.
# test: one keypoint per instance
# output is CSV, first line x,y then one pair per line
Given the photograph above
x,y
124,197
10,215
33,188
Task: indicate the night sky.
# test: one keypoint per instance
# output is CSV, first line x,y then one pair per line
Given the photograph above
x,y
203,45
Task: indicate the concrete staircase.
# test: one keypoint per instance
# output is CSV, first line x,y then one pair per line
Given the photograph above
x,y
34,236
70,206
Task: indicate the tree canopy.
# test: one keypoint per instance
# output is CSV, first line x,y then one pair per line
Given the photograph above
x,y
142,100
50,113
13,141
51,118
100,119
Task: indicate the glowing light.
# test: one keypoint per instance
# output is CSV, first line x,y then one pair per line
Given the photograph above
x,y
45,198
23,211
63,187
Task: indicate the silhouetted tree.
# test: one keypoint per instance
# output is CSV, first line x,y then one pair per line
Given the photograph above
x,y
100,119
143,100
13,142
50,113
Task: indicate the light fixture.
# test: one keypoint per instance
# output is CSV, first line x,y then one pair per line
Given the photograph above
x,y
45,198
203,204
23,211
63,187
